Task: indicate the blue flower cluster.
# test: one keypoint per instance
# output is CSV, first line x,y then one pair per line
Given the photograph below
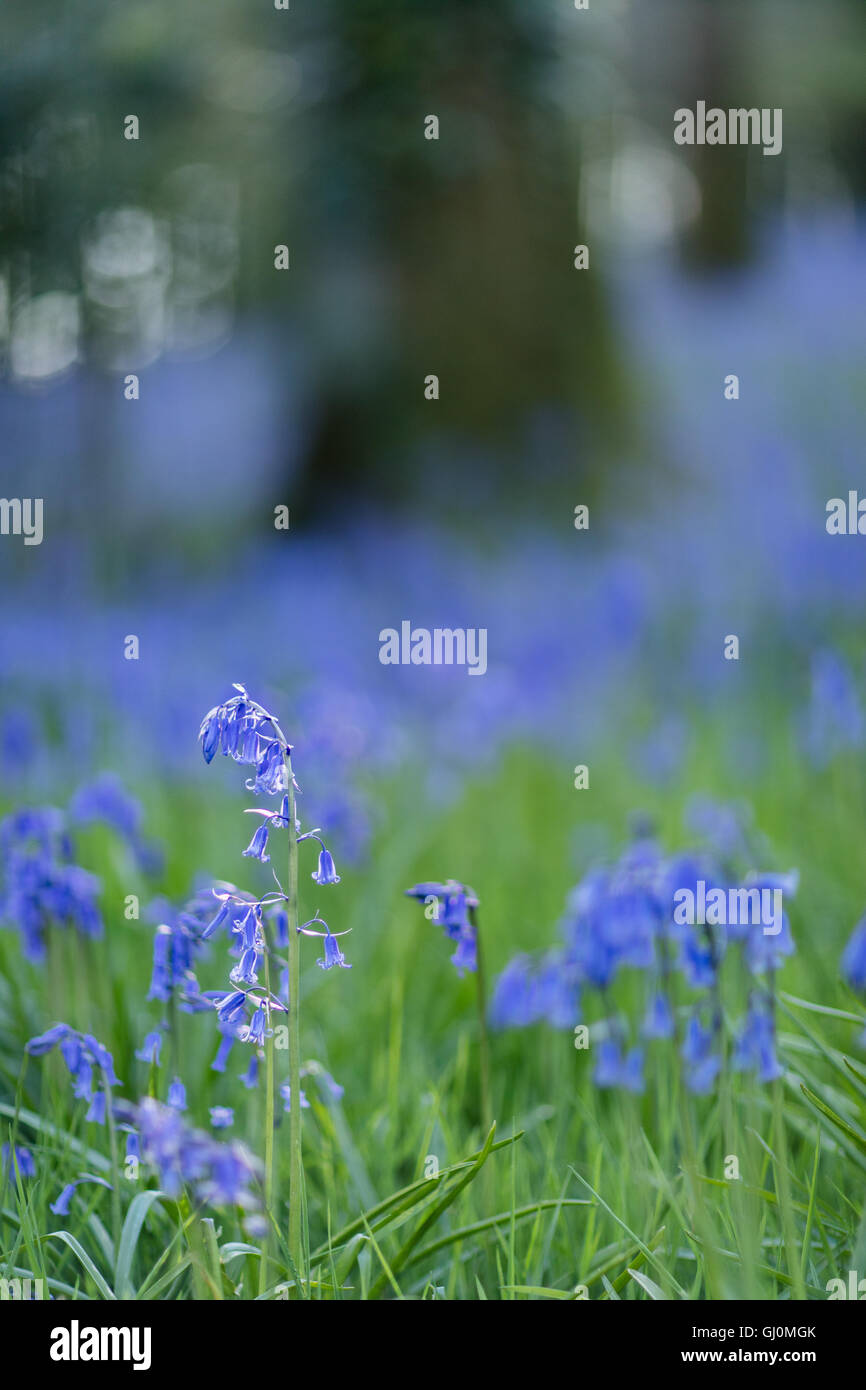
x,y
243,730
41,886
86,1059
627,917
178,941
258,927
452,906
105,799
214,1173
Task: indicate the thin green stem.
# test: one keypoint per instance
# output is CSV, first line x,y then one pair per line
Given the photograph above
x,y
115,1163
269,1134
487,1192
483,1038
296,1172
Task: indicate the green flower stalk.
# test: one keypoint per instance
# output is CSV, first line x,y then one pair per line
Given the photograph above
x,y
245,731
454,907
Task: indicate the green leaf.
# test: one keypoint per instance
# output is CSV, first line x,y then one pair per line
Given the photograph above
x,y
504,1217
135,1217
84,1259
842,1125
386,1211
538,1291
649,1286
433,1215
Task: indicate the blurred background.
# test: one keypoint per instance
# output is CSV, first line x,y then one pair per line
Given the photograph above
x,y
305,387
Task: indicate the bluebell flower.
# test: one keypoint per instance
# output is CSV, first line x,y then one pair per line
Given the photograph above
x,y
608,1064
177,1095
150,1048
221,1116
453,907
82,1078
632,1077
133,1146
46,1042
698,958
96,1111
835,721
766,951
613,1068
555,994
702,1074
82,1053
854,958
280,921
251,1076
755,1047
659,1019
698,1041
102,1057
511,1002
245,972
161,976
245,731
23,1159
326,873
333,955
226,1043
217,921
42,887
106,799
465,957
258,845
60,1206
286,1093
216,1173
178,940
703,1062
258,1027
232,1007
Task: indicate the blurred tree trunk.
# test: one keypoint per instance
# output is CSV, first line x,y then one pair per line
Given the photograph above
x,y
473,239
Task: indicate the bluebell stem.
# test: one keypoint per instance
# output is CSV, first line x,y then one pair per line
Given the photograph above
x,y
454,906
242,729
